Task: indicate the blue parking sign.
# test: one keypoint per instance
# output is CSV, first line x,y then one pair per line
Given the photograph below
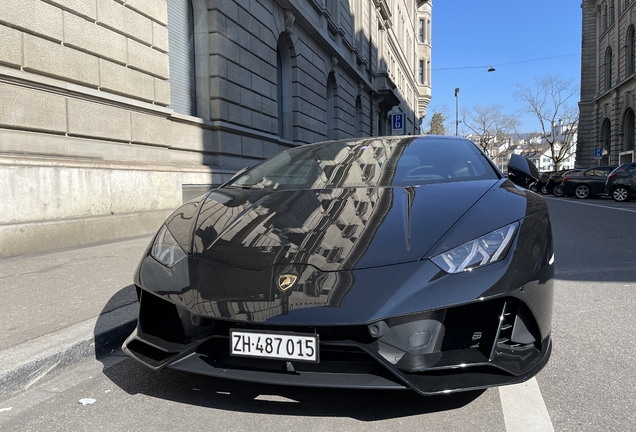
x,y
598,153
397,123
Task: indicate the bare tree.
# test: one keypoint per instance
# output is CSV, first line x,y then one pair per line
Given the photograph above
x,y
489,126
553,102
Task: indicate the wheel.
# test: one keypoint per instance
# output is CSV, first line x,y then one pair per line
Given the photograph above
x,y
557,192
544,190
621,194
582,191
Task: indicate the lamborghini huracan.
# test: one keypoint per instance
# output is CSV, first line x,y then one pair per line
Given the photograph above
x,y
381,263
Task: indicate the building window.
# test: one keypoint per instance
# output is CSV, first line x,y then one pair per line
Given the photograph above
x,y
421,74
283,89
370,113
630,130
609,60
421,31
332,7
611,12
606,134
331,106
631,55
359,122
181,57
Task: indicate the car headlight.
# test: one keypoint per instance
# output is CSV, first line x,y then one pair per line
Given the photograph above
x,y
165,249
484,250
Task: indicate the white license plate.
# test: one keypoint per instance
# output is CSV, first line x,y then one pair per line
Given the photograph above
x,y
283,346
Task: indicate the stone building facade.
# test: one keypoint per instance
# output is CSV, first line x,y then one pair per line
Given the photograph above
x,y
112,112
608,82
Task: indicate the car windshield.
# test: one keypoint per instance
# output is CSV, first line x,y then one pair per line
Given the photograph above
x,y
371,163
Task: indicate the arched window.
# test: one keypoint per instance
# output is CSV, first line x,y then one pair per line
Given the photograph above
x,y
609,60
181,57
331,106
606,137
283,89
631,53
629,130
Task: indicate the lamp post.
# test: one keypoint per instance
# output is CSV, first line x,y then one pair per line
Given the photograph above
x,y
456,111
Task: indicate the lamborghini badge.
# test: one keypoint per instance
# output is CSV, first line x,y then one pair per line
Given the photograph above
x,y
286,281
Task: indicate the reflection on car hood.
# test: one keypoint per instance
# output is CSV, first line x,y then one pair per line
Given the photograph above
x,y
331,229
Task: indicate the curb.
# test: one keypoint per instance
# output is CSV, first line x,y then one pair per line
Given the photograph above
x,y
24,365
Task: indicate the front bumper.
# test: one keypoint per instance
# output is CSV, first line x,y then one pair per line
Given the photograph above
x,y
468,347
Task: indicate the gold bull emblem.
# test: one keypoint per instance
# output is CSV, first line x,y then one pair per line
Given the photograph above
x,y
286,281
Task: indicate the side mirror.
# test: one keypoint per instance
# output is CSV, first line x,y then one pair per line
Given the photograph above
x,y
521,171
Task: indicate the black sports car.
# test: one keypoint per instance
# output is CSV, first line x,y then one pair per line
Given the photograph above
x,y
400,262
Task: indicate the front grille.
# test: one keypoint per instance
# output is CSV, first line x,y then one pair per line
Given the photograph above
x,y
358,333
333,359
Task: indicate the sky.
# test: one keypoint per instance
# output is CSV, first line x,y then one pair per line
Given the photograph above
x,y
520,39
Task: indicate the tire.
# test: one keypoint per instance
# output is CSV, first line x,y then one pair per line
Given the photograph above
x,y
544,190
582,191
621,194
557,192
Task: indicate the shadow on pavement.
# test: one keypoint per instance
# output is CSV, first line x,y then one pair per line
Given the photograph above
x,y
116,321
204,391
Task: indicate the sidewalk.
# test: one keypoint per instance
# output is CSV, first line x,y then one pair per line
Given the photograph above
x,y
59,308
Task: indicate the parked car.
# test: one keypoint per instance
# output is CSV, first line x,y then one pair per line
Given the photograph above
x,y
621,183
368,263
588,183
555,180
539,185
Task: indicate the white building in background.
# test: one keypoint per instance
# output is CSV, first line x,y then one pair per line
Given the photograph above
x,y
537,149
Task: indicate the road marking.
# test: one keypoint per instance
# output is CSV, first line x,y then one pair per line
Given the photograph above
x,y
524,409
592,205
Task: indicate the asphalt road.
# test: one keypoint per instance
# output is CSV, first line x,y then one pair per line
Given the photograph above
x,y
588,385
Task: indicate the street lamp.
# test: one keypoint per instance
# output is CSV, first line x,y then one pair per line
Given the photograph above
x,y
456,111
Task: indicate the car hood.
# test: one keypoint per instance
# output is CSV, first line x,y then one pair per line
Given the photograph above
x,y
330,229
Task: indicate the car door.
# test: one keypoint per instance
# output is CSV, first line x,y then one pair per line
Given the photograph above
x,y
596,179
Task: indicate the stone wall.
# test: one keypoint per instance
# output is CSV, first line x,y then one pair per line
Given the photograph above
x,y
602,101
90,148
587,136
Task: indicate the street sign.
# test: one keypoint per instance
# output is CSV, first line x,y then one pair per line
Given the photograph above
x,y
397,124
598,153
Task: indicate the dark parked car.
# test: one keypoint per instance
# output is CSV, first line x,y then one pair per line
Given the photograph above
x,y
554,182
540,184
400,262
621,183
587,183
